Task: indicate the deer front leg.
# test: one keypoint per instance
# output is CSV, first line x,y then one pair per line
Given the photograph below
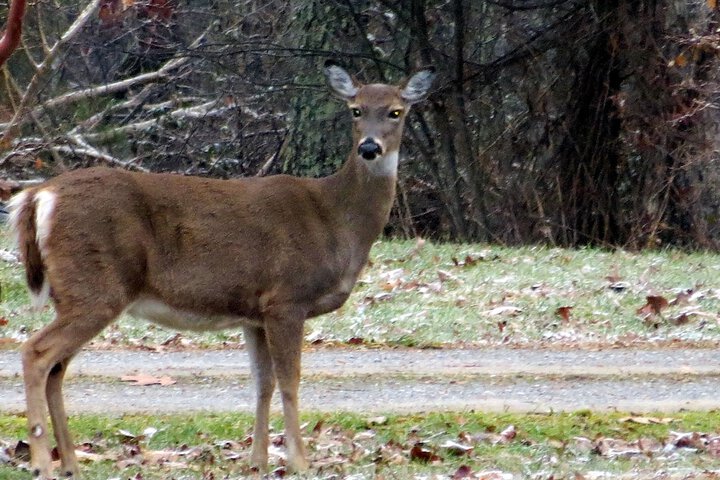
x,y
284,330
262,371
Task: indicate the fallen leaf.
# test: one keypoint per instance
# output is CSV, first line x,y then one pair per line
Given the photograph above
x,y
446,276
456,448
471,260
655,304
463,471
3,321
613,448
497,475
680,60
564,312
619,286
713,447
423,454
381,420
680,319
507,435
688,440
682,298
647,420
355,341
142,379
22,451
504,310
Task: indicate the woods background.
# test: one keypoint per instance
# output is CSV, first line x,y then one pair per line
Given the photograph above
x,y
563,122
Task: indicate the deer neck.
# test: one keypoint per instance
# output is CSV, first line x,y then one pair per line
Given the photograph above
x,y
365,192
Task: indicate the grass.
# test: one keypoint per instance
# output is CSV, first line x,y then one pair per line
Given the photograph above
x,y
352,446
444,294
430,295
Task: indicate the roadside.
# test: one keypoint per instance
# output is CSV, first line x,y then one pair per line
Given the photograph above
x,y
398,380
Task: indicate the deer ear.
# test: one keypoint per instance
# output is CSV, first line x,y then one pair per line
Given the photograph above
x,y
340,81
418,86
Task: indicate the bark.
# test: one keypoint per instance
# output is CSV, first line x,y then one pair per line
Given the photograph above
x,y
590,154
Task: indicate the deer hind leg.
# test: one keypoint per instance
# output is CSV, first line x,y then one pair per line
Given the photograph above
x,y
45,357
284,332
65,445
262,371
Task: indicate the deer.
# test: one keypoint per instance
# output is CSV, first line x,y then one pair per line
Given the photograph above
x,y
261,253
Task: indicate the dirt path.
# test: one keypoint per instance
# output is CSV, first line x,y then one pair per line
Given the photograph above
x,y
359,380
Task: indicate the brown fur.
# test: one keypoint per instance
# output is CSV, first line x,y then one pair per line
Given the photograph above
x,y
261,253
29,249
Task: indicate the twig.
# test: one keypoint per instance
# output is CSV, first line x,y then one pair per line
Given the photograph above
x,y
13,30
44,67
90,151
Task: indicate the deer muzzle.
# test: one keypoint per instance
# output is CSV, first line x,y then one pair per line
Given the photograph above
x,y
369,149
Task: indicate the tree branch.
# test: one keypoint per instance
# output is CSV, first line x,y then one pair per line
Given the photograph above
x,y
32,89
13,30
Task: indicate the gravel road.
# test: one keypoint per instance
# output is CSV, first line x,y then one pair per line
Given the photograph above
x,y
381,380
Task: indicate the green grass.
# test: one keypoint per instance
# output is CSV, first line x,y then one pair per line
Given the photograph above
x,y
418,296
546,444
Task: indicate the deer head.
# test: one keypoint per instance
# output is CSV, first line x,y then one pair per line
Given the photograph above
x,y
379,113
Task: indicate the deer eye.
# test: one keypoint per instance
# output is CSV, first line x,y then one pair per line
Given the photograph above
x,y
395,113
356,112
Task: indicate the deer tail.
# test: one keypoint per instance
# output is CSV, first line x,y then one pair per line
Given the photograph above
x,y
30,214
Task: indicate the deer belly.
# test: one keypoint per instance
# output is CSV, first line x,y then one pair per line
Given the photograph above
x,y
161,313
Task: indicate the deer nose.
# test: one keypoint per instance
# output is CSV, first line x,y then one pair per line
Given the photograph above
x,y
369,149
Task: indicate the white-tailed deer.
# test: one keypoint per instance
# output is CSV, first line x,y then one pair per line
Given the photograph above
x,y
263,254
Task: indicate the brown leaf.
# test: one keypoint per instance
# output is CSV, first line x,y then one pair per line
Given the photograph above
x,y
317,429
681,319
470,260
688,440
564,312
423,454
612,448
682,298
143,380
712,4
655,304
3,321
463,471
355,341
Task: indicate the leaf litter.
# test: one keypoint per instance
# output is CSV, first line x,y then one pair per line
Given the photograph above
x,y
337,452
